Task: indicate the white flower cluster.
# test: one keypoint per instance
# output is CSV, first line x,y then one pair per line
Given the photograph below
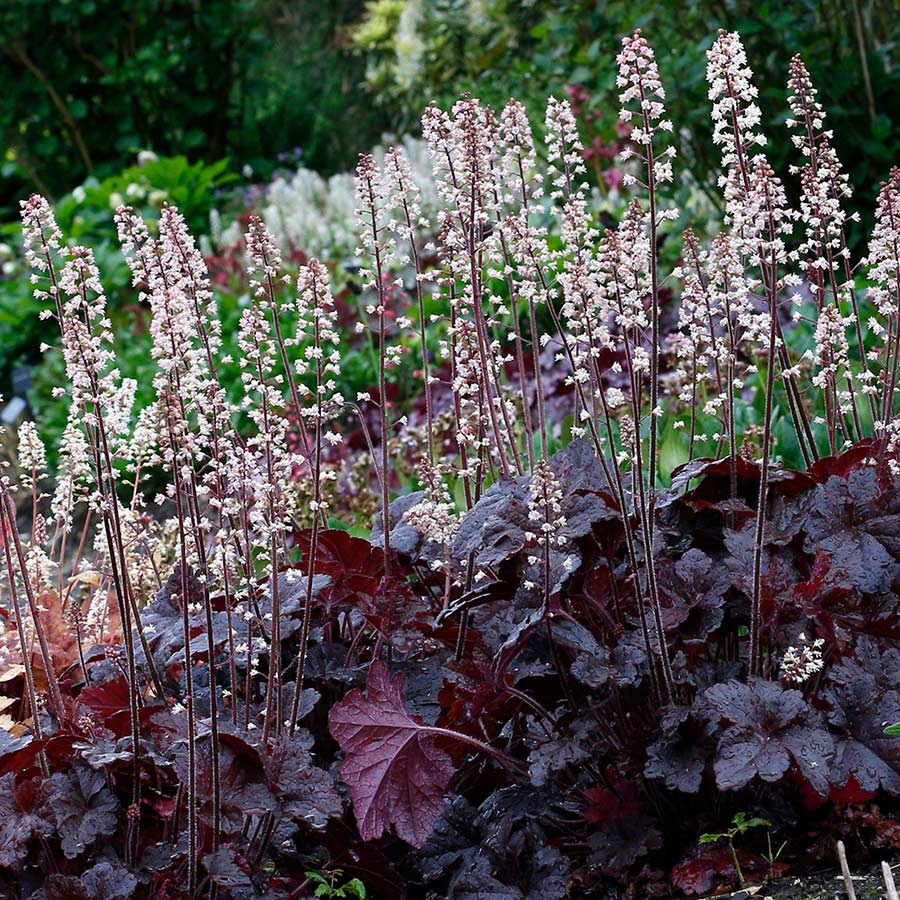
x,y
832,356
641,87
884,257
799,664
735,114
435,515
545,518
317,333
32,455
824,184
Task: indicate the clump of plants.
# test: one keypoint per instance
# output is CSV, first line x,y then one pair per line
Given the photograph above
x,y
540,659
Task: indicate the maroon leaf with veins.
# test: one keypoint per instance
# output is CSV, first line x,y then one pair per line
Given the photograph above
x,y
396,771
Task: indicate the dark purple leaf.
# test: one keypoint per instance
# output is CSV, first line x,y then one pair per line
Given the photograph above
x,y
857,522
453,835
616,846
475,881
224,870
526,872
554,752
716,476
109,880
400,616
768,729
62,887
244,789
859,709
692,593
82,807
495,528
306,793
679,757
623,665
510,811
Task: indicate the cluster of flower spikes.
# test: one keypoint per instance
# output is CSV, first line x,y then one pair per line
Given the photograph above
x,y
883,260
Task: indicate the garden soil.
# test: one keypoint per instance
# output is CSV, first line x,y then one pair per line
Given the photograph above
x,y
817,886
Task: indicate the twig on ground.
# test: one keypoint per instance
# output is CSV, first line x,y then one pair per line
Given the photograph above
x,y
845,871
889,882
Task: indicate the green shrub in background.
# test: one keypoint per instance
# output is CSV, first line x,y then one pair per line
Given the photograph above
x,y
88,83
86,215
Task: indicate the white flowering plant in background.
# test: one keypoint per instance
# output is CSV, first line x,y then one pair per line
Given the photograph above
x,y
577,621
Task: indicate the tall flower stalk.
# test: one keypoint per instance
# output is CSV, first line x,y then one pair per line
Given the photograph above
x,y
317,326
371,215
736,118
759,219
884,262
642,95
825,256
182,386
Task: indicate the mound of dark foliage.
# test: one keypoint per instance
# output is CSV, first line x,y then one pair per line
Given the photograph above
x,y
493,749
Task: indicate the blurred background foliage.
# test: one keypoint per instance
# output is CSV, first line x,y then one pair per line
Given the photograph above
x,y
88,83
261,104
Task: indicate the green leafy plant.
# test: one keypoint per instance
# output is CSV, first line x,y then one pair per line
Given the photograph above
x,y
329,888
87,212
740,825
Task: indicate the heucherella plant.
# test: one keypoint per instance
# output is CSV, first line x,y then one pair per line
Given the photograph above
x,y
547,619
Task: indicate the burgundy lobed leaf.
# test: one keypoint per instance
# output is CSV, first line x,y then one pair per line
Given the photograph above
x,y
353,564
705,866
716,472
474,694
399,615
244,788
81,806
616,803
20,819
396,772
